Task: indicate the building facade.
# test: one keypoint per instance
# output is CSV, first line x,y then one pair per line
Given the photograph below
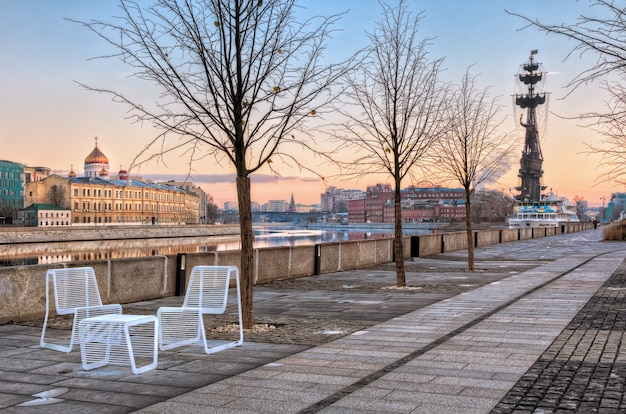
x,y
95,199
333,200
45,215
35,173
203,199
11,185
418,205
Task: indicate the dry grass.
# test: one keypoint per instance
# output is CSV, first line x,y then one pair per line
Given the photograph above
x,y
615,231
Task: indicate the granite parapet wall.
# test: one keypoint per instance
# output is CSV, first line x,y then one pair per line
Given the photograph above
x,y
42,235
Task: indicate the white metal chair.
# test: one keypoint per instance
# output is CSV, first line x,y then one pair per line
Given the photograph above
x,y
75,292
207,293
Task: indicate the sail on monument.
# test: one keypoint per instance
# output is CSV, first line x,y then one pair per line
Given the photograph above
x,y
533,208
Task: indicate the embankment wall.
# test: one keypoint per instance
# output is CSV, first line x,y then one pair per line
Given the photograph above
x,y
23,288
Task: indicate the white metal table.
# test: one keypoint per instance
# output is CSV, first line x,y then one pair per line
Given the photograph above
x,y
119,340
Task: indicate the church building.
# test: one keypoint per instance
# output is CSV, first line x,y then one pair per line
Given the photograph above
x,y
97,199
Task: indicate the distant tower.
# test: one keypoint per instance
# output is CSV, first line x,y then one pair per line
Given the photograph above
x,y
96,163
122,174
531,163
292,205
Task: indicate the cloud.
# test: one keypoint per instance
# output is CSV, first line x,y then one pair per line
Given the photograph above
x,y
228,178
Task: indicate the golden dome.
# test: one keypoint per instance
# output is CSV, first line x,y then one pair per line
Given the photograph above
x,y
71,174
96,157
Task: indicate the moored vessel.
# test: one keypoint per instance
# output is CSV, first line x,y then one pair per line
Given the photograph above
x,y
549,212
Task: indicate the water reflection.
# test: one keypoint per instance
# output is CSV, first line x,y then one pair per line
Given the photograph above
x,y
271,236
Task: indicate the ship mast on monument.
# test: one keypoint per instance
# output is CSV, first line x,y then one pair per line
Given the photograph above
x,y
531,163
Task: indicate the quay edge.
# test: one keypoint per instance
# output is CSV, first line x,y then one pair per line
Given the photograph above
x,y
10,235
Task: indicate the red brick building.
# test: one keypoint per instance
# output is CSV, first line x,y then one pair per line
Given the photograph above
x,y
418,205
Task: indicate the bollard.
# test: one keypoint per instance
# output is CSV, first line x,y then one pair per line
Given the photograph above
x,y
415,246
317,260
181,264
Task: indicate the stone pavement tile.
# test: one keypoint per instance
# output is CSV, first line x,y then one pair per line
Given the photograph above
x,y
30,378
166,391
473,382
21,388
258,396
131,400
325,370
383,405
332,358
427,387
434,408
22,364
411,377
208,367
10,351
213,399
305,395
71,407
315,378
170,406
8,400
266,406
186,380
460,402
60,368
369,366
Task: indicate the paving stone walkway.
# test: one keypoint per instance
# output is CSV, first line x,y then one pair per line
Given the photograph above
x,y
584,370
537,329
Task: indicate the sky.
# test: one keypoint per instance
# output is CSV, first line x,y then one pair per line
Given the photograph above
x,y
46,119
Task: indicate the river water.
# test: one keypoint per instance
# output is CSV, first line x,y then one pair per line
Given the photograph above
x,y
265,236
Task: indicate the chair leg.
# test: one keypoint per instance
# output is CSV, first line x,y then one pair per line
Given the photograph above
x,y
56,346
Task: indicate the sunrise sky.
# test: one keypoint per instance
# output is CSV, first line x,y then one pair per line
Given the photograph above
x,y
47,120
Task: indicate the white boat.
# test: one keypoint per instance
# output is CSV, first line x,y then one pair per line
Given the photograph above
x,y
551,211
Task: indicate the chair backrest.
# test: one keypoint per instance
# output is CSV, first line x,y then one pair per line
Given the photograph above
x,y
74,288
208,288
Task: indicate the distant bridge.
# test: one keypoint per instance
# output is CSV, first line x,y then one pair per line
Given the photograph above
x,y
272,217
276,217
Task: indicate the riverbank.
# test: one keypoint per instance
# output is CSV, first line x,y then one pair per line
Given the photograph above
x,y
11,235
426,227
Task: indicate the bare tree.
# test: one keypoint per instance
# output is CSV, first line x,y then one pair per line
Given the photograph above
x,y
56,195
212,213
6,214
394,107
496,202
237,79
604,37
473,150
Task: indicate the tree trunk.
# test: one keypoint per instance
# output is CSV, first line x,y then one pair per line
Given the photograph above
x,y
247,251
470,233
398,252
